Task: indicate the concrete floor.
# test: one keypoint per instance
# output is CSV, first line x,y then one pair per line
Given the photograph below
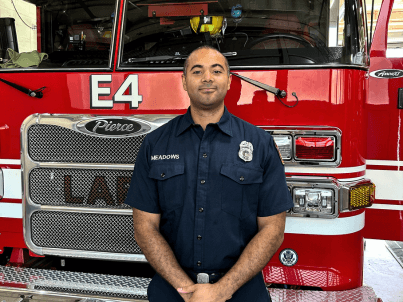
x,y
382,272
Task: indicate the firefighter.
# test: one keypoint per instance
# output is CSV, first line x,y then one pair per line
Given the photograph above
x,y
209,196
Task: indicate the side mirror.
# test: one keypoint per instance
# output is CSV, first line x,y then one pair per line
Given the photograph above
x,y
8,36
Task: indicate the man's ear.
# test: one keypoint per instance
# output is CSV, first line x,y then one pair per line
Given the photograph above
x,y
229,82
184,82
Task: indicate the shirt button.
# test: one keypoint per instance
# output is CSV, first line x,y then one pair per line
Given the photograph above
x,y
162,174
202,181
204,155
198,263
201,210
242,178
199,237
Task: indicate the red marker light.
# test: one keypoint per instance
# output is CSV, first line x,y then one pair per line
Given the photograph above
x,y
316,148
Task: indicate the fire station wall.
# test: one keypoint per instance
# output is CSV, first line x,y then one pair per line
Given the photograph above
x,y
26,36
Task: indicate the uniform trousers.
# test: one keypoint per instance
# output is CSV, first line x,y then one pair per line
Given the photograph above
x,y
254,290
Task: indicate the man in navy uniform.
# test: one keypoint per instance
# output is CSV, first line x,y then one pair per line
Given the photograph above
x,y
209,196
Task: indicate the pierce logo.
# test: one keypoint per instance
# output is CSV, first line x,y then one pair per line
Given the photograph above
x,y
113,127
387,74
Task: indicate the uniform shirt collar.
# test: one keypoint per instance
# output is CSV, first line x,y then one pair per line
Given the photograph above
x,y
224,124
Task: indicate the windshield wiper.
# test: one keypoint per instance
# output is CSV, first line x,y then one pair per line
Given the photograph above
x,y
276,91
32,93
169,58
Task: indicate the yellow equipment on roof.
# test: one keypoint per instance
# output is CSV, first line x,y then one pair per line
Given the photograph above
x,y
211,24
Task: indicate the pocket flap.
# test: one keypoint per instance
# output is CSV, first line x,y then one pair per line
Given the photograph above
x,y
242,175
166,171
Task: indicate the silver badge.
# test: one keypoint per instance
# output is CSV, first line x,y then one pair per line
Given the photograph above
x,y
245,151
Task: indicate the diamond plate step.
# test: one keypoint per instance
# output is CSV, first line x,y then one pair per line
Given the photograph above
x,y
75,283
396,249
360,294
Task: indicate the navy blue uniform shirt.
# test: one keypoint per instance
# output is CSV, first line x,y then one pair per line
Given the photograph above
x,y
208,197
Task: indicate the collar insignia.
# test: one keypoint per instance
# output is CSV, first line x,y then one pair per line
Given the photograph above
x,y
245,151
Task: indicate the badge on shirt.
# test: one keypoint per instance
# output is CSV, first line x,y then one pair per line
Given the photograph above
x,y
279,154
245,151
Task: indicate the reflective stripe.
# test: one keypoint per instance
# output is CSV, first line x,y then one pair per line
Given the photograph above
x,y
10,162
384,162
12,183
323,170
319,226
386,207
388,184
10,210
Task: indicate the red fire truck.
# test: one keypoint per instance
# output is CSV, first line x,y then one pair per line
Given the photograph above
x,y
72,121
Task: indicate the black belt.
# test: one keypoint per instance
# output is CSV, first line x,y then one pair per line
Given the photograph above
x,y
205,277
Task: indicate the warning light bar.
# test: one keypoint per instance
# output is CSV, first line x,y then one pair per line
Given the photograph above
x,y
321,146
315,148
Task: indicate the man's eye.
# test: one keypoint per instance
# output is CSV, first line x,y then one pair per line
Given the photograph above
x,y
196,72
217,71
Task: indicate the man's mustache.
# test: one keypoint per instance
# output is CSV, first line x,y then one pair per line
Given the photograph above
x,y
206,86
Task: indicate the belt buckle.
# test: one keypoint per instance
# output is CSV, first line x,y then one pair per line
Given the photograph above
x,y
203,278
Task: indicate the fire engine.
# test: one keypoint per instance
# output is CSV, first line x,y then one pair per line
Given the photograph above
x,y
316,74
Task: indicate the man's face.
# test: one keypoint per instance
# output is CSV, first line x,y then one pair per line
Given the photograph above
x,y
207,80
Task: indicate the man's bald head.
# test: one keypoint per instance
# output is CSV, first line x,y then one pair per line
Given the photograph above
x,y
186,65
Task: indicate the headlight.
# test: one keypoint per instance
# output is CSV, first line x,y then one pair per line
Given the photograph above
x,y
313,200
314,196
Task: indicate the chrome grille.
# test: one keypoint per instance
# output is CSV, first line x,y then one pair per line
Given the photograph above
x,y
52,143
79,187
84,231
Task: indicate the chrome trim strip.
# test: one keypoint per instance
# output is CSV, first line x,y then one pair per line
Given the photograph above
x,y
94,255
318,131
82,166
125,212
324,170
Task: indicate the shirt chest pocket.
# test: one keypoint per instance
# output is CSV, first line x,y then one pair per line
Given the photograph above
x,y
170,177
240,190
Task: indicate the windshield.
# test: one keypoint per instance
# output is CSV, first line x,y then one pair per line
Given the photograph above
x,y
251,34
72,33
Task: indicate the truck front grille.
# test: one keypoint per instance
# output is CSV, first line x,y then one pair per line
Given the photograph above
x,y
75,182
79,187
84,231
52,143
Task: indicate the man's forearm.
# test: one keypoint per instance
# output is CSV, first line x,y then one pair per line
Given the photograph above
x,y
160,256
252,260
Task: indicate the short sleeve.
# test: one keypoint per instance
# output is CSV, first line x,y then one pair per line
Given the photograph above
x,y
274,196
143,190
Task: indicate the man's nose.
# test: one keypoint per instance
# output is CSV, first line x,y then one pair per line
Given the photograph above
x,y
207,77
